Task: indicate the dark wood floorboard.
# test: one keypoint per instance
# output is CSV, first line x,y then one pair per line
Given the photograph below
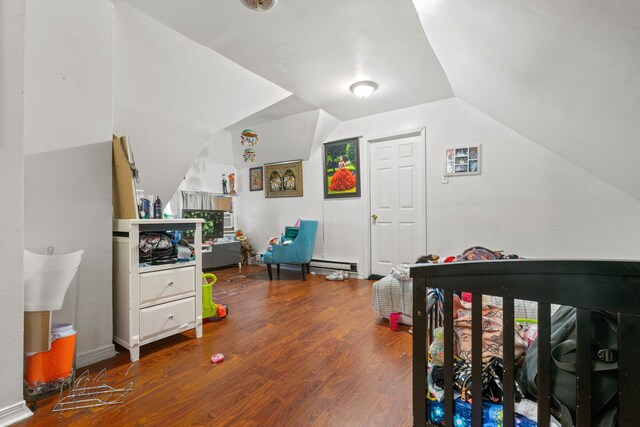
x,y
297,353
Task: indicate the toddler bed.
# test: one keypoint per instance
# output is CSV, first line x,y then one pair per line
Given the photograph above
x,y
613,286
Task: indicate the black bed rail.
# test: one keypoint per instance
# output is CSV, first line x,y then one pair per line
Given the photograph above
x,y
588,285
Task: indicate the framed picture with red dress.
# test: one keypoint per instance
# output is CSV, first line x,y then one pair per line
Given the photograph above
x,y
341,169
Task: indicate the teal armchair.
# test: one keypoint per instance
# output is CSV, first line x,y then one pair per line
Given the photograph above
x,y
299,251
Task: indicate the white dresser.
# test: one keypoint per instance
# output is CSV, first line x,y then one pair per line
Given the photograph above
x,y
156,301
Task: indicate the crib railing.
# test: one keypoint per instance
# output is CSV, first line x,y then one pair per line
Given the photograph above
x,y
613,286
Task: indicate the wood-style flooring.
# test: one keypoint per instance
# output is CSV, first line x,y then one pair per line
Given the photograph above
x,y
296,353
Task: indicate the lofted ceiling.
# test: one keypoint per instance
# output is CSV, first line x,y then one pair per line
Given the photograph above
x,y
317,49
565,74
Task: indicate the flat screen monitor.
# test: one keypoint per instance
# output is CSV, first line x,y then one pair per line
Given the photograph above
x,y
213,226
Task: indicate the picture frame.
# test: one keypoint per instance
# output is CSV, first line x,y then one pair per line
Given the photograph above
x,y
341,171
256,181
463,160
283,179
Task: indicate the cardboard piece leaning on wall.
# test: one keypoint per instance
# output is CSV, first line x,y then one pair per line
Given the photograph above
x,y
221,203
122,185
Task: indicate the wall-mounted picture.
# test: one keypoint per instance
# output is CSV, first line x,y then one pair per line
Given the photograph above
x,y
341,169
462,161
283,179
255,179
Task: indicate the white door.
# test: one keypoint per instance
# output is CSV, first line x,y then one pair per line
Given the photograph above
x,y
398,217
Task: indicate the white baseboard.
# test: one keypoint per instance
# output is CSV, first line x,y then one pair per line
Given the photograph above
x,y
316,270
94,356
14,413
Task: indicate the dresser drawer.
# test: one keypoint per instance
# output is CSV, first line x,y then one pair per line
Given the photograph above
x,y
159,285
167,317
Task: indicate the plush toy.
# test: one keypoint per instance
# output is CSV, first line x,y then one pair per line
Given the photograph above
x,y
436,349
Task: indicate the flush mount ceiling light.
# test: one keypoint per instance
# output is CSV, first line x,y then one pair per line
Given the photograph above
x,y
364,88
259,5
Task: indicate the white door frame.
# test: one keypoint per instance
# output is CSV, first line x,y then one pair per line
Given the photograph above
x,y
408,134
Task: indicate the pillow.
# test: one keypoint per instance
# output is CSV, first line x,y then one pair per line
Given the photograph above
x,y
290,233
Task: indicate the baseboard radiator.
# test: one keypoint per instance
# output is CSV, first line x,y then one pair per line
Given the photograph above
x,y
334,265
324,264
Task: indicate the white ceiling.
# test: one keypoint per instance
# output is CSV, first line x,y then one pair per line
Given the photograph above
x,y
564,74
317,49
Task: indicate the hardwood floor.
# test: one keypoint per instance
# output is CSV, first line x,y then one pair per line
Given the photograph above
x,y
296,353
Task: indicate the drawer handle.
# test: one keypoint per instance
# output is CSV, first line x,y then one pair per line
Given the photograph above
x,y
170,284
171,317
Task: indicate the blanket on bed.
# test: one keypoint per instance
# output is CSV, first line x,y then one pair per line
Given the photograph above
x,y
394,294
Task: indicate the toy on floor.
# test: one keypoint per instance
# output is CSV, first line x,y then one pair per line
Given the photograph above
x,y
209,308
217,358
393,321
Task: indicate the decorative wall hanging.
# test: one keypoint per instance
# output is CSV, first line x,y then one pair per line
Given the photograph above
x,y
232,184
341,169
462,160
249,155
250,138
283,179
255,179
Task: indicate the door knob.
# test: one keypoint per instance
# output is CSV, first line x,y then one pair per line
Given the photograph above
x,y
374,216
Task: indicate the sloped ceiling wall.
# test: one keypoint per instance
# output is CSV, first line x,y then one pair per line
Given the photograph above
x,y
563,74
172,94
291,138
67,74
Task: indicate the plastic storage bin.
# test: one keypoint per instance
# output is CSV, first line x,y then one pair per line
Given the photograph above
x,y
57,363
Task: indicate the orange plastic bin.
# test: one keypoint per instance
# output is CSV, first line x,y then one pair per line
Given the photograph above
x,y
56,363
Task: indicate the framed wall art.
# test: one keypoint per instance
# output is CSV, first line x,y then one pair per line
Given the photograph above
x,y
463,160
255,179
341,169
283,179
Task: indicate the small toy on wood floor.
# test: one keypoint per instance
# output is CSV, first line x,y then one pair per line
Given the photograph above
x,y
217,358
209,308
393,321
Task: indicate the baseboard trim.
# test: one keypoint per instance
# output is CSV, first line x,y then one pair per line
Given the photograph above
x,y
14,413
94,356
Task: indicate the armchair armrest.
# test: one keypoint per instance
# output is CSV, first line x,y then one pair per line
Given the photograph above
x,y
286,253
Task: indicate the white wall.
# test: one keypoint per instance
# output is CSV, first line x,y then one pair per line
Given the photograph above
x,y
261,218
564,74
68,126
215,159
172,94
205,174
68,206
527,201
67,73
12,406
